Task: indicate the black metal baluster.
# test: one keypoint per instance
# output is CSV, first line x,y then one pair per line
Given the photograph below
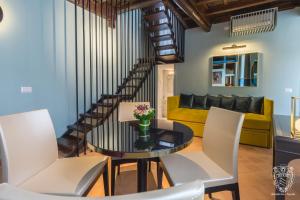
x,y
97,70
91,68
76,74
117,65
112,70
102,73
84,68
107,72
132,46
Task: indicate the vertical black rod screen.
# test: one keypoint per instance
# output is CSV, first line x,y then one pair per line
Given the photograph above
x,y
121,61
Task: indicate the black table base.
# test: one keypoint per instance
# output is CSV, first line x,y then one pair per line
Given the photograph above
x,y
142,174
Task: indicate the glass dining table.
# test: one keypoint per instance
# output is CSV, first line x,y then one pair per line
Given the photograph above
x,y
127,141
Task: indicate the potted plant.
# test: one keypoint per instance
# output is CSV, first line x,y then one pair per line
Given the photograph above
x,y
144,114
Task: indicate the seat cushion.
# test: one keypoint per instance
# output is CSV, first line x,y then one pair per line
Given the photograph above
x,y
199,102
186,167
67,176
191,115
214,101
242,104
227,102
257,121
256,105
185,101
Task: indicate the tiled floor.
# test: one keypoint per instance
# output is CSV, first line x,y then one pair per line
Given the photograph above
x,y
255,175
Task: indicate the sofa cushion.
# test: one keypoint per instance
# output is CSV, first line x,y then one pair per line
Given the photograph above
x,y
191,115
241,104
199,102
257,121
213,101
256,104
227,102
185,101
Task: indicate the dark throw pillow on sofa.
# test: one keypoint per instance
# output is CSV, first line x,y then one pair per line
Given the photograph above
x,y
227,102
213,101
185,101
199,102
256,104
242,104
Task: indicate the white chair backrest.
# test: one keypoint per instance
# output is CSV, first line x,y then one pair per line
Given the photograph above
x,y
126,110
221,138
188,191
28,145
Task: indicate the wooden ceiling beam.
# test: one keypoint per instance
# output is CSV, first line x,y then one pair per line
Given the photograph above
x,y
192,11
203,2
237,6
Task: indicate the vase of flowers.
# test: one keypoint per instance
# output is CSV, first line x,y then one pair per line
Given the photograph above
x,y
144,114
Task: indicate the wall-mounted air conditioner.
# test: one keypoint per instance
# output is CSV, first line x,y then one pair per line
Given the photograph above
x,y
254,22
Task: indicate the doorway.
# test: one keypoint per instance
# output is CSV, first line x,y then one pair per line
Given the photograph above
x,y
165,84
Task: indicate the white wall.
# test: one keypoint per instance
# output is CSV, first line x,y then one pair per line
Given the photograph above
x,y
280,60
161,69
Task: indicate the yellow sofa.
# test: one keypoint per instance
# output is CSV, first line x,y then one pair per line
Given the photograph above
x,y
257,128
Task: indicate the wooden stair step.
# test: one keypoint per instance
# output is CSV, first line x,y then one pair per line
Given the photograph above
x,y
170,58
127,86
142,69
103,104
161,38
137,72
159,27
93,115
165,47
113,95
119,96
81,127
156,16
136,78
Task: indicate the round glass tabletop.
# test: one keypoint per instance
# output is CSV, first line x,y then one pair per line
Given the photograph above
x,y
126,140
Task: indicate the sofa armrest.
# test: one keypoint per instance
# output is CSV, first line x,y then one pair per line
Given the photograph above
x,y
172,103
268,108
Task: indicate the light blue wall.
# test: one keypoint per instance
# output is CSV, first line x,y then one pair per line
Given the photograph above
x,y
280,66
29,57
37,49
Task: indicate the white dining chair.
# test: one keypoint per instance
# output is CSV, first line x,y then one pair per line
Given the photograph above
x,y
217,164
189,191
125,114
29,156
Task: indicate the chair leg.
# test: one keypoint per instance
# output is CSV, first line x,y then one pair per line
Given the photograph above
x,y
210,195
112,178
149,166
119,169
105,180
159,176
236,192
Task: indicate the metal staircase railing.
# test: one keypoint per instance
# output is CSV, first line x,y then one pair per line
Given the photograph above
x,y
114,62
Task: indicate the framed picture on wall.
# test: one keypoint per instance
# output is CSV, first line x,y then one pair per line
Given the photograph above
x,y
217,78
